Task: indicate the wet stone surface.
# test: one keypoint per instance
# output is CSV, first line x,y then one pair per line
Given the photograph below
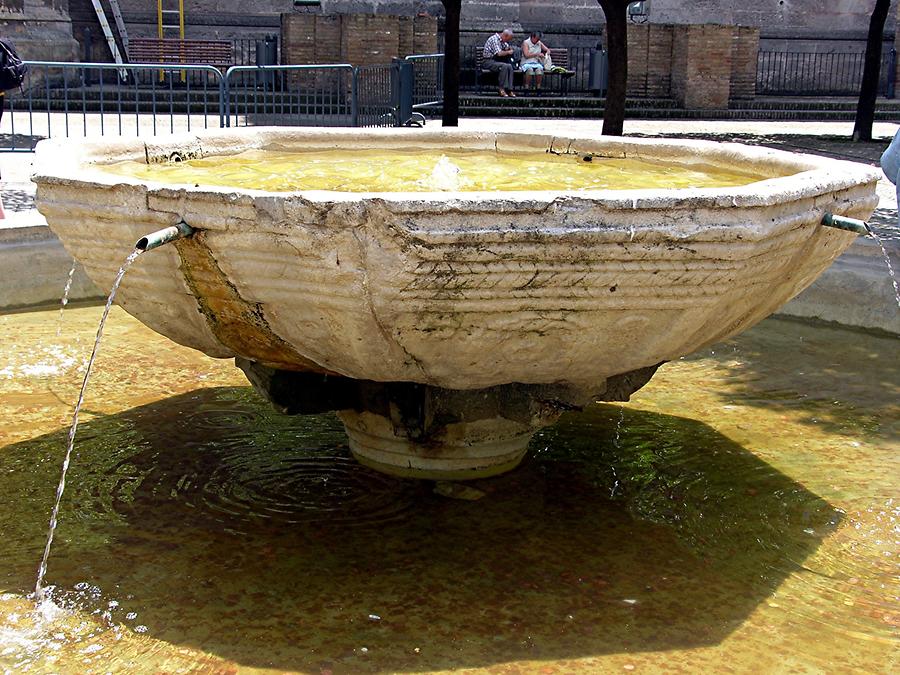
x,y
739,512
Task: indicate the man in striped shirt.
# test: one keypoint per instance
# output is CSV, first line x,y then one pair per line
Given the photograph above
x,y
497,58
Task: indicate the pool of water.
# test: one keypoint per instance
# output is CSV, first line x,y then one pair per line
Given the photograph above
x,y
740,513
419,170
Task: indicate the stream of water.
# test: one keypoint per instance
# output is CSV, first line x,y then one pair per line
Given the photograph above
x,y
54,514
740,513
887,262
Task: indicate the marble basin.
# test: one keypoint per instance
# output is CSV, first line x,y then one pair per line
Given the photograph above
x,y
447,326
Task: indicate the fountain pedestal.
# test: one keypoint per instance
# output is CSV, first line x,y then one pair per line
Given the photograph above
x,y
421,431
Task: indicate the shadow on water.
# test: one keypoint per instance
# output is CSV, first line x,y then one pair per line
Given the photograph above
x,y
842,381
255,538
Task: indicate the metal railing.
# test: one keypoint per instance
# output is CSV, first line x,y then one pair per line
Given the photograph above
x,y
61,98
245,50
816,73
143,99
296,95
428,81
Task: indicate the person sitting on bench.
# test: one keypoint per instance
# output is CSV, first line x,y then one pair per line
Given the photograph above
x,y
535,59
497,57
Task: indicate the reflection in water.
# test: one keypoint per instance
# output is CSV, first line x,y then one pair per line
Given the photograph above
x,y
202,531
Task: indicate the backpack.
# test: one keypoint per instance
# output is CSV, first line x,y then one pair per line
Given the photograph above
x,y
12,69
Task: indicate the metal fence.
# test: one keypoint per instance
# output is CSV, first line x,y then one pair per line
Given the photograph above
x,y
301,95
816,73
90,99
66,99
428,81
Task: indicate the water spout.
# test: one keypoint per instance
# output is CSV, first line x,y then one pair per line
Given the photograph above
x,y
849,224
164,236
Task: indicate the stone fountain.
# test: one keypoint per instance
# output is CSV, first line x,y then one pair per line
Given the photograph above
x,y
447,327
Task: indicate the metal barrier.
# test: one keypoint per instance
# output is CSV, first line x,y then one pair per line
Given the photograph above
x,y
302,95
428,81
375,106
815,73
61,98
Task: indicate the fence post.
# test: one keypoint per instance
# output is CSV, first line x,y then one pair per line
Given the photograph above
x,y
224,100
402,82
354,97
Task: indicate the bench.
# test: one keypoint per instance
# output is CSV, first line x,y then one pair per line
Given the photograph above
x,y
217,53
558,81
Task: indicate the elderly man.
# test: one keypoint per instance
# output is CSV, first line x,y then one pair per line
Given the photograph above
x,y
497,57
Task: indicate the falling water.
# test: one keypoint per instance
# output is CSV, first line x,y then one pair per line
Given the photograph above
x,y
617,444
42,570
887,261
65,298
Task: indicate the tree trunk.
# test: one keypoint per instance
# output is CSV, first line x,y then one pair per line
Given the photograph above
x,y
450,114
616,44
868,91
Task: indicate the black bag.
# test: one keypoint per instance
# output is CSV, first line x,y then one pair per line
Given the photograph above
x,y
12,69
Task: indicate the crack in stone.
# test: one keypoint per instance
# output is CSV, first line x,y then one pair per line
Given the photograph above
x,y
371,305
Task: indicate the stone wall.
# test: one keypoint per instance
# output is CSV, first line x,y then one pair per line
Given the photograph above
x,y
360,39
897,50
41,30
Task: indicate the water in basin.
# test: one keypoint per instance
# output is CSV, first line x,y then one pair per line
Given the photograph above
x,y
739,513
420,170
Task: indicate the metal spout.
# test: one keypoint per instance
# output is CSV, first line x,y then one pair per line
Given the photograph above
x,y
164,236
844,223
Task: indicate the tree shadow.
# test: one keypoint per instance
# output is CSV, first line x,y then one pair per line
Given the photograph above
x,y
23,142
256,538
841,380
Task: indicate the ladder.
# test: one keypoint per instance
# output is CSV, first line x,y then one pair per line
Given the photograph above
x,y
120,23
170,19
107,32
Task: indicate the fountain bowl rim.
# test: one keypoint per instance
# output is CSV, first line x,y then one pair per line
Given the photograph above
x,y
80,162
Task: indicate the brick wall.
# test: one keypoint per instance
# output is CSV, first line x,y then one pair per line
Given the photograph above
x,y
744,58
649,60
704,74
360,39
700,66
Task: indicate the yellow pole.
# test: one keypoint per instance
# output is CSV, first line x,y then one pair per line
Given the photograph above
x,y
181,35
159,30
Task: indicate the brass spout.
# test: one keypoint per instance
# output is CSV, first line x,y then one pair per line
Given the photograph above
x,y
164,236
844,223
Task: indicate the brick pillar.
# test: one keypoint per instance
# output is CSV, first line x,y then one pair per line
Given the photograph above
x,y
744,57
701,73
638,48
425,35
659,61
371,39
406,36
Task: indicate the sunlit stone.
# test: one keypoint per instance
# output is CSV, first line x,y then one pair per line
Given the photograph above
x,y
447,326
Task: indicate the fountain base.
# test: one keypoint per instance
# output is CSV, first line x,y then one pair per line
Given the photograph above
x,y
420,431
464,450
